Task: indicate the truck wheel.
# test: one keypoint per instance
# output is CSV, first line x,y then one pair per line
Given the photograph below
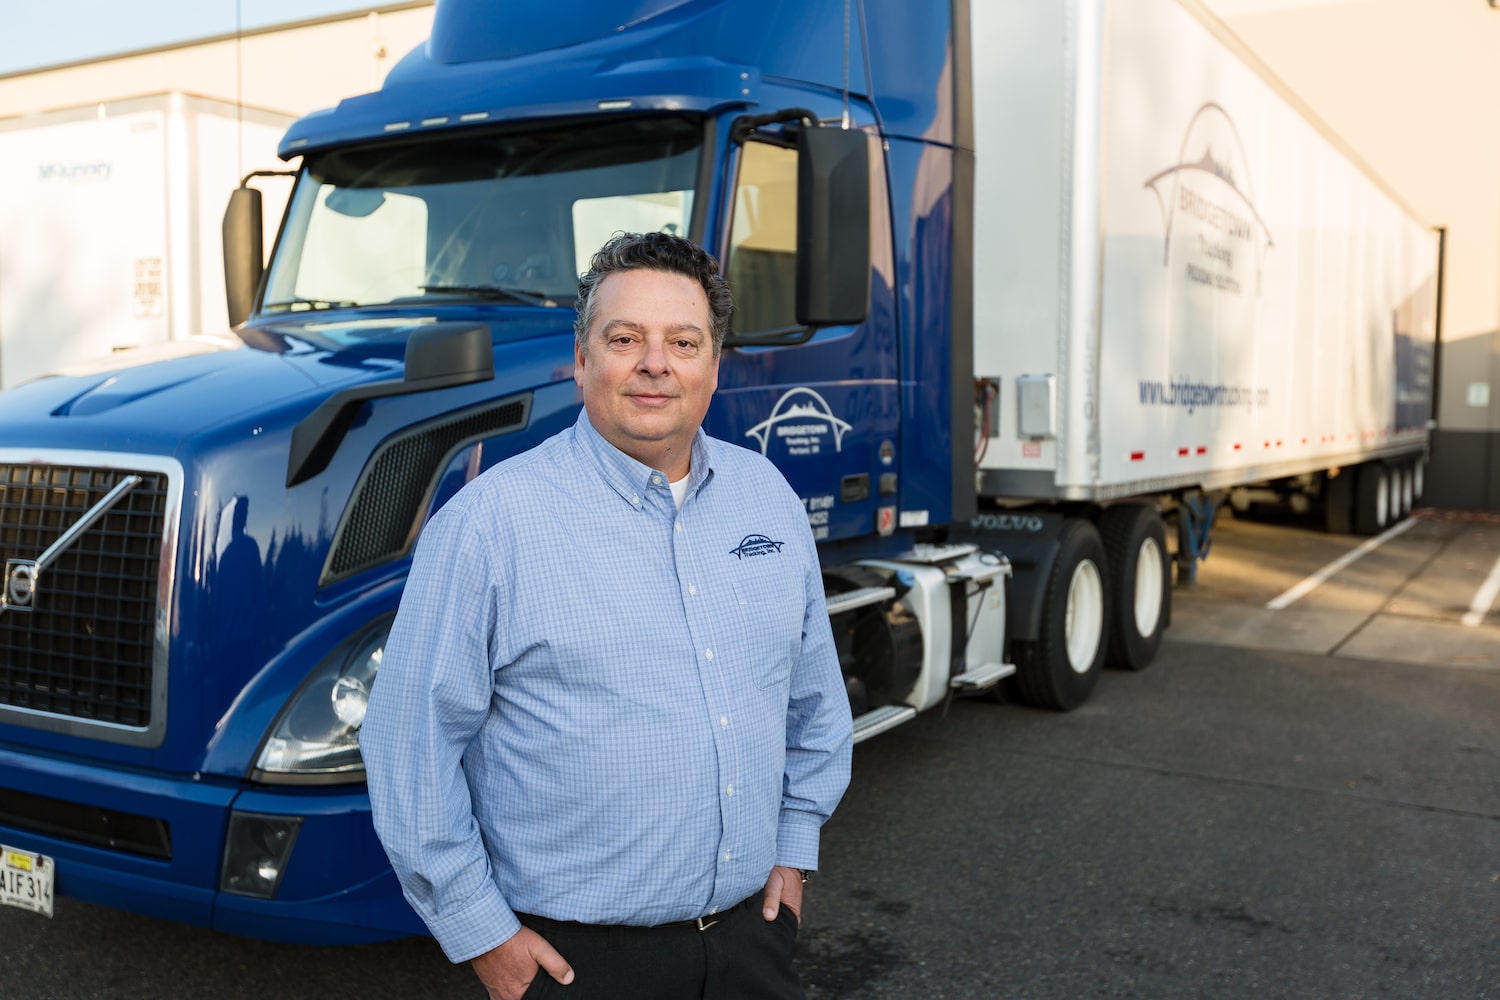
x,y
1338,502
1372,499
1406,474
1140,583
1417,469
1060,668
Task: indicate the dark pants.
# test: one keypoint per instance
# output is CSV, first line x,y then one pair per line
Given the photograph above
x,y
742,957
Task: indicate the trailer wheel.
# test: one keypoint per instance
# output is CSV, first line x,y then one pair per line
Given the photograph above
x,y
1406,473
1372,496
1417,469
1060,668
1393,504
1140,583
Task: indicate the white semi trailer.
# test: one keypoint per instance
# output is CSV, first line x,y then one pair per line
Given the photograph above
x,y
109,224
1187,289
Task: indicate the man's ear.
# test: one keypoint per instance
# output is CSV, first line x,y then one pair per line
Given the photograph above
x,y
577,361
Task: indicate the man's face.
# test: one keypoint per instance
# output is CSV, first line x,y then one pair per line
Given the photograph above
x,y
650,369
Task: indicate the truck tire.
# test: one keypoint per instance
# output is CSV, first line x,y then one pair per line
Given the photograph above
x,y
1338,503
1372,497
1059,669
1140,583
1418,470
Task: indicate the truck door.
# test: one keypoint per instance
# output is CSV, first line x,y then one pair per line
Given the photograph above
x,y
821,402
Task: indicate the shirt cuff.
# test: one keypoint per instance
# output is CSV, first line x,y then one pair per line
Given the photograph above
x,y
484,924
797,840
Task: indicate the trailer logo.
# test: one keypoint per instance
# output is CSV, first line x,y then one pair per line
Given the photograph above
x,y
1208,205
803,421
74,172
20,584
755,545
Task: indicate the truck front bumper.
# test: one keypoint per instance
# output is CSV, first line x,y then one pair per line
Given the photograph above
x,y
155,844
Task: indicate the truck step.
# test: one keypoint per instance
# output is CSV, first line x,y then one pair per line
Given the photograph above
x,y
879,720
986,675
839,603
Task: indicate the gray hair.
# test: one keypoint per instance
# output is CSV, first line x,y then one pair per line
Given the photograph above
x,y
655,252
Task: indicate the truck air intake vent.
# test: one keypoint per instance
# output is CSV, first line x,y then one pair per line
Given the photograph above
x,y
77,629
383,517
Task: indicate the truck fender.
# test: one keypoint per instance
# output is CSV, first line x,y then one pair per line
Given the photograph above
x,y
1030,540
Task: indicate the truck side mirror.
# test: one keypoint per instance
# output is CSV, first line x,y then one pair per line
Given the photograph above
x,y
244,252
833,226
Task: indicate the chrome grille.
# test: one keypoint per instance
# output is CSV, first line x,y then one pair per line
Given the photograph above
x,y
85,648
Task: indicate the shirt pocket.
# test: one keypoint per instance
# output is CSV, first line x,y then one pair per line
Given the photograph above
x,y
770,610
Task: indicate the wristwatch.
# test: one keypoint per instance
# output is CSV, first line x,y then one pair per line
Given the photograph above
x,y
806,874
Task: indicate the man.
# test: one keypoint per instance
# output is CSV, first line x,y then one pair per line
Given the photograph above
x,y
610,719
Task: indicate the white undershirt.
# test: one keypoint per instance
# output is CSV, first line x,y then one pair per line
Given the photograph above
x,y
679,491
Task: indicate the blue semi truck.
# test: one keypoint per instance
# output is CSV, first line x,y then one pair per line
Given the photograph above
x,y
1008,291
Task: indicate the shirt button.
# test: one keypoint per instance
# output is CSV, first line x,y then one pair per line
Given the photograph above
x,y
635,500
729,790
656,480
726,855
708,654
679,528
723,722
692,590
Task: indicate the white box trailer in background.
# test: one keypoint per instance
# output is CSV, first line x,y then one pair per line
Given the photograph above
x,y
1182,280
110,220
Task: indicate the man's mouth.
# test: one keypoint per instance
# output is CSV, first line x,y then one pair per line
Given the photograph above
x,y
651,398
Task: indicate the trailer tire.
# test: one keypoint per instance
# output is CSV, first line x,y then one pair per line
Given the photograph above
x,y
1060,668
1140,583
1418,469
1406,473
1372,512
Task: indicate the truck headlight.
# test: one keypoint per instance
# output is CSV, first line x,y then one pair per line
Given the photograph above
x,y
316,737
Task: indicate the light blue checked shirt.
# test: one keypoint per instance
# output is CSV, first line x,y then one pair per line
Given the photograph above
x,y
596,707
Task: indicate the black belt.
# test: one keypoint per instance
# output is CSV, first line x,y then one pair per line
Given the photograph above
x,y
702,923
705,922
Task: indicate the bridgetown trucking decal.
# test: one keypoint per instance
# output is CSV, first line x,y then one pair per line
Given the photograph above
x,y
1215,232
803,423
1202,197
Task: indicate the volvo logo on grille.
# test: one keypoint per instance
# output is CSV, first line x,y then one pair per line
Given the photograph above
x,y
20,584
21,574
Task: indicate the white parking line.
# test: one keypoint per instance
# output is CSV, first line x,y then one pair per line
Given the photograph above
x,y
1484,597
1310,584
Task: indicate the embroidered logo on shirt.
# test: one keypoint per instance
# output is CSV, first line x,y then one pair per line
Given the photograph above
x,y
756,545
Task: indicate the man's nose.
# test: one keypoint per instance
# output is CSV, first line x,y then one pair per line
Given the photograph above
x,y
654,357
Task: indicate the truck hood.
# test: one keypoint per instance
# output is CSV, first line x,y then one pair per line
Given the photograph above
x,y
152,399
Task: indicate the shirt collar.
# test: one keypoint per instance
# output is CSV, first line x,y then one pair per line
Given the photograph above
x,y
632,479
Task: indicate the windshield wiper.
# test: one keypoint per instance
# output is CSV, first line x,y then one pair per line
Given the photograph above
x,y
496,292
309,305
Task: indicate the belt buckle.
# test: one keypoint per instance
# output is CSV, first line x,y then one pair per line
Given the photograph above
x,y
704,923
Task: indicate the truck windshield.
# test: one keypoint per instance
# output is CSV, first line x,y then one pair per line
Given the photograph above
x,y
506,217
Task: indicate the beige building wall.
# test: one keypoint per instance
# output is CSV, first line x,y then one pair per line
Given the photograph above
x,y
1412,86
294,68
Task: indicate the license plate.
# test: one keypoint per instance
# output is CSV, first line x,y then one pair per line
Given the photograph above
x,y
26,880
